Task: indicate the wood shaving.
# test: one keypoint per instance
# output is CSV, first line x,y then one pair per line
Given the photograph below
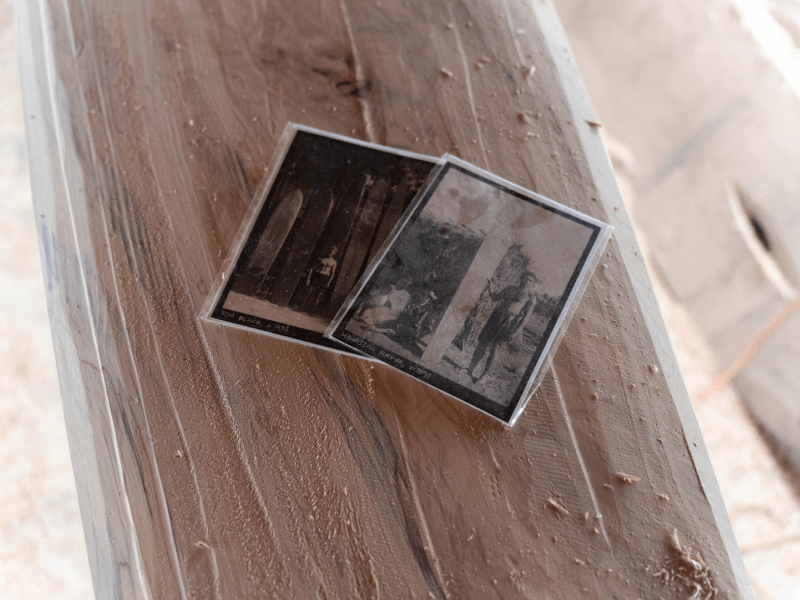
x,y
595,124
687,572
447,72
624,478
557,507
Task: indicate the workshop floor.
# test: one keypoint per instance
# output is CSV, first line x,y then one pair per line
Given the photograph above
x,y
42,551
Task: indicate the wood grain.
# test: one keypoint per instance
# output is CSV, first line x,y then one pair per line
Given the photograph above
x,y
214,462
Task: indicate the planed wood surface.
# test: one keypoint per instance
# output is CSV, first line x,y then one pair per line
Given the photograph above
x,y
711,155
218,463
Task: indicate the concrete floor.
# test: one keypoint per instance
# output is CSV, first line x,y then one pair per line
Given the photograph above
x,y
42,551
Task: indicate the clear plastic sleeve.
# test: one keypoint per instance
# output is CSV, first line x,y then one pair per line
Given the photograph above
x,y
325,206
473,290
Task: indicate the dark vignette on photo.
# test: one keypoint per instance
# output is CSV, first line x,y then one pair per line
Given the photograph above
x,y
438,284
343,201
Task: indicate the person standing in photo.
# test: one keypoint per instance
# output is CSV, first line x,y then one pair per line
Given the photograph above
x,y
319,280
514,304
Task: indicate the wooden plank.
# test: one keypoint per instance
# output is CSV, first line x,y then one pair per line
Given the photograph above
x,y
713,173
235,465
89,410
770,386
704,117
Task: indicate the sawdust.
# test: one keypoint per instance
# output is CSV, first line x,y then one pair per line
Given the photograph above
x,y
686,571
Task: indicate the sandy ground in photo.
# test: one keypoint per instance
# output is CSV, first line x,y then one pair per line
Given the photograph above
x,y
42,549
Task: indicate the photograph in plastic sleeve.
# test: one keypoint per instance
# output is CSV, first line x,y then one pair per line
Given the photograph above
x,y
471,292
313,230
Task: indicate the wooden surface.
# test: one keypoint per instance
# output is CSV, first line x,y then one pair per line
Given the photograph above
x,y
705,122
218,463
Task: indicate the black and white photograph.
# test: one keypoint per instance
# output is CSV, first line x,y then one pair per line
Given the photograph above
x,y
330,207
471,293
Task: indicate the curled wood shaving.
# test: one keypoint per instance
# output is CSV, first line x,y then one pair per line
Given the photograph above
x,y
595,124
687,571
627,478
